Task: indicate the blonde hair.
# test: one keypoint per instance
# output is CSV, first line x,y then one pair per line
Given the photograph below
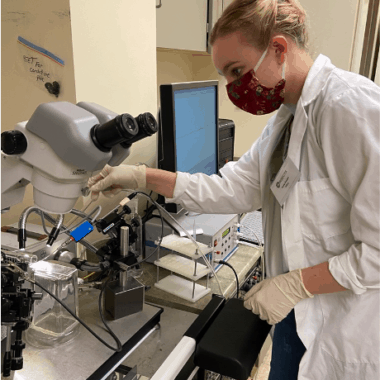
x,y
258,20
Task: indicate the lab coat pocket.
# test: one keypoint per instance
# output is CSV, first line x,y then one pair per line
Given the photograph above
x,y
324,212
348,336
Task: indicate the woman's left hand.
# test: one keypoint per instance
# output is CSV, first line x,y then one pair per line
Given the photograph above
x,y
274,298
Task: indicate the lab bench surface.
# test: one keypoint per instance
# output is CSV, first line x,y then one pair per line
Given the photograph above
x,y
243,260
85,357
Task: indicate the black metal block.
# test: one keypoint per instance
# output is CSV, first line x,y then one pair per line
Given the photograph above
x,y
123,301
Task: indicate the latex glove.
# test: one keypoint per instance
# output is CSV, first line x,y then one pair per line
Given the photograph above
x,y
112,179
274,298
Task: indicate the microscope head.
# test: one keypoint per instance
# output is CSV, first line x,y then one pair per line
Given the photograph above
x,y
60,147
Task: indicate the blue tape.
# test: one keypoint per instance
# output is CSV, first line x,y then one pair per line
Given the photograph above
x,y
41,50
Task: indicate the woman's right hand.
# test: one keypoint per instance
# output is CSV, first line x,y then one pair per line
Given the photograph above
x,y
112,179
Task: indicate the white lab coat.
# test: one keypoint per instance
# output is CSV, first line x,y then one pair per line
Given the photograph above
x,y
332,214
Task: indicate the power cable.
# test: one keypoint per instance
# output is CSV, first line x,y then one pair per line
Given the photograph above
x,y
236,276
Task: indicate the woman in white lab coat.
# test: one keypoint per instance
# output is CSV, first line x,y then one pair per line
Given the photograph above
x,y
314,171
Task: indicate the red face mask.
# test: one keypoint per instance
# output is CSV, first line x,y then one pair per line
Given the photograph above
x,y
249,95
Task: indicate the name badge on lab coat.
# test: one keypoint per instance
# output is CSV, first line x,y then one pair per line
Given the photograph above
x,y
285,180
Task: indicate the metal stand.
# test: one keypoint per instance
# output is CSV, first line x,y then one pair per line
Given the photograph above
x,y
124,296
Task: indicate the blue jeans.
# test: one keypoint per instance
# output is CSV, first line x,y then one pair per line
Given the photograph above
x,y
287,350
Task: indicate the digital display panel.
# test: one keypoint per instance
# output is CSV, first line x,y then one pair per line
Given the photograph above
x,y
226,232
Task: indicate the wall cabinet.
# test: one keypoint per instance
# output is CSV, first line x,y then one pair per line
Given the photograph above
x,y
182,24
186,24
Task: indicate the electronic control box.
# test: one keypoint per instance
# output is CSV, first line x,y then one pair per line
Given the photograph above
x,y
214,230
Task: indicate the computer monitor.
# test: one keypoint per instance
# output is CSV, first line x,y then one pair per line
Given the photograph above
x,y
188,132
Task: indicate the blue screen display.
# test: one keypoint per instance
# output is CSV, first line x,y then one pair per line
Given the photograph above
x,y
196,130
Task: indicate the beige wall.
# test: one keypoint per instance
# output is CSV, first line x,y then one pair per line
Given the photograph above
x,y
114,44
173,66
332,27
46,25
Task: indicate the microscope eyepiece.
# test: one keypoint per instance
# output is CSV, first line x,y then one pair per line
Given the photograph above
x,y
147,127
13,142
121,129
147,123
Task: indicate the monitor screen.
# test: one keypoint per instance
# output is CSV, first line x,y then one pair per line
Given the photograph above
x,y
195,130
188,133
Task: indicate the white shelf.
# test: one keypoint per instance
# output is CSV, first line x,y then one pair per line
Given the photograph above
x,y
182,266
182,288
